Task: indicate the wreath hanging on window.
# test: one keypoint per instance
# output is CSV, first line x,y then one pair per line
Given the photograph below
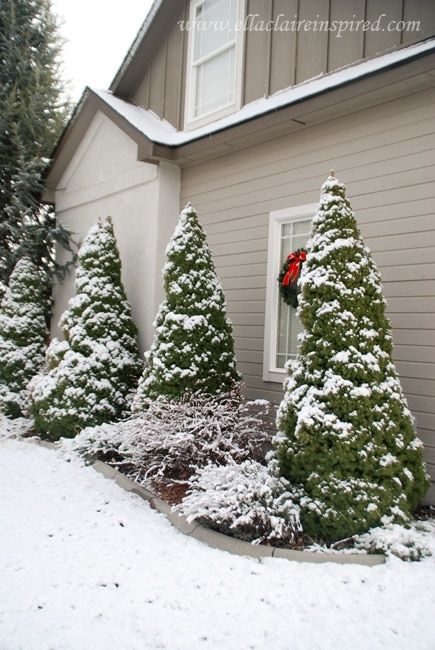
x,y
289,276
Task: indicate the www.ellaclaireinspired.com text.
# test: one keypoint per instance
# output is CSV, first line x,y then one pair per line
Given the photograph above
x,y
254,23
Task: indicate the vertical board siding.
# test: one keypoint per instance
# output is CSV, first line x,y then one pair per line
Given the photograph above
x,y
157,81
312,47
283,54
378,41
422,10
274,60
300,55
173,74
257,51
162,87
348,46
385,156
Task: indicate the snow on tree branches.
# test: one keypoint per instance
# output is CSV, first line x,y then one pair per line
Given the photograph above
x,y
172,438
33,110
346,435
22,336
193,348
245,500
92,373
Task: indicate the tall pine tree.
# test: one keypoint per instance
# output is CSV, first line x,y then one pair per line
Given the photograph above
x,y
32,115
193,347
346,436
23,334
93,372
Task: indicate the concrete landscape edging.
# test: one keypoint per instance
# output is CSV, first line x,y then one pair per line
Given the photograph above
x,y
230,544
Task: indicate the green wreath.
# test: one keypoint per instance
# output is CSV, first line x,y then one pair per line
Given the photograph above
x,y
289,276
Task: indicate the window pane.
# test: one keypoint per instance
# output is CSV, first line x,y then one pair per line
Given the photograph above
x,y
215,83
287,229
301,227
299,242
293,236
289,327
215,21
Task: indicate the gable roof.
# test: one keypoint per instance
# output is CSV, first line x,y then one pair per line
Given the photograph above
x,y
136,43
162,132
161,14
282,112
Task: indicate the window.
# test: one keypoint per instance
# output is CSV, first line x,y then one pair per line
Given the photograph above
x,y
288,231
214,60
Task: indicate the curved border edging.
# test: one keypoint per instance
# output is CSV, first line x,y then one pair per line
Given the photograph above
x,y
225,543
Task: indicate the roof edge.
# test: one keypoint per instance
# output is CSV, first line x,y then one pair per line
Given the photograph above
x,y
136,43
163,133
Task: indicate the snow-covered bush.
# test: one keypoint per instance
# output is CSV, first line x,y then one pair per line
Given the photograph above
x,y
244,500
16,427
170,440
193,348
413,542
346,436
91,374
23,332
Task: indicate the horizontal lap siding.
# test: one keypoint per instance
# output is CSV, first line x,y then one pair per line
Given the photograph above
x,y
386,157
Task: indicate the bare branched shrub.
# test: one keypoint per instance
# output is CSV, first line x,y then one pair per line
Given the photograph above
x,y
170,440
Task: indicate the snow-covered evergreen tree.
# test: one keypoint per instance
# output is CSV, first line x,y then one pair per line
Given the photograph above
x,y
92,373
193,348
33,111
346,435
22,336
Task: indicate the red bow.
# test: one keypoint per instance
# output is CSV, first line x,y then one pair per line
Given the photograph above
x,y
295,260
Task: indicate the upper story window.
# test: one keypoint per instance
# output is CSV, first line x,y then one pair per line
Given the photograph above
x,y
288,230
213,80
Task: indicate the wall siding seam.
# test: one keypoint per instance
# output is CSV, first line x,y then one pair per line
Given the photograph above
x,y
349,140
231,182
314,181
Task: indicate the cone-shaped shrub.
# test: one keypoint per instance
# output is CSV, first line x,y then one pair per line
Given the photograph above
x,y
193,348
23,333
92,373
346,435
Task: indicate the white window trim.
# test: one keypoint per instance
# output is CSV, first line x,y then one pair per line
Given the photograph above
x,y
276,219
190,122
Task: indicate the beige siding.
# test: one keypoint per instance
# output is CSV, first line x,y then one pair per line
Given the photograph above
x,y
283,54
386,157
419,10
375,42
350,46
274,60
161,88
312,46
279,59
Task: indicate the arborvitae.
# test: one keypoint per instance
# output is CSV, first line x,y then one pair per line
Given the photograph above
x,y
91,373
193,348
346,436
33,110
22,337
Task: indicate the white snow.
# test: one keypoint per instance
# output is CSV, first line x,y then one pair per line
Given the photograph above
x,y
86,566
163,132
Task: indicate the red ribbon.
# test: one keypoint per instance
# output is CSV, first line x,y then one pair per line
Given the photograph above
x,y
295,260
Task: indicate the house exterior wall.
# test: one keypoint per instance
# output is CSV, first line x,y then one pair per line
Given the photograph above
x,y
162,87
385,155
279,59
103,179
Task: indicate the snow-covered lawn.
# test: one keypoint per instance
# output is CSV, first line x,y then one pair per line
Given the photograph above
x,y
87,566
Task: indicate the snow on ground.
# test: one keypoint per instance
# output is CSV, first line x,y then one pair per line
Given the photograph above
x,y
87,566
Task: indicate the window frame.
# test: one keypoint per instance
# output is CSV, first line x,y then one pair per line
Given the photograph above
x,y
276,219
190,121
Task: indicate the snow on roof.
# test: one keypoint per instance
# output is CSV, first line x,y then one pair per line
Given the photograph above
x,y
162,132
